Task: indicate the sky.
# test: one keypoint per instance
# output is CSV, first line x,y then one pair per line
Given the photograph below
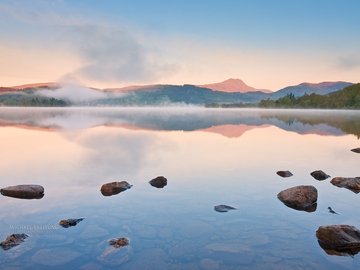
x,y
114,43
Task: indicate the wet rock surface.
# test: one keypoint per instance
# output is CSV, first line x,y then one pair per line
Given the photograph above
x,y
356,150
13,240
351,183
158,182
284,173
24,191
114,188
66,223
302,198
222,208
319,175
341,240
119,242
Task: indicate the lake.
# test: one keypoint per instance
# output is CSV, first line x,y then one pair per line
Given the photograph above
x,y
209,157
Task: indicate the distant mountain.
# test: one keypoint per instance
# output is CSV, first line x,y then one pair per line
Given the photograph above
x,y
347,98
310,88
179,94
232,86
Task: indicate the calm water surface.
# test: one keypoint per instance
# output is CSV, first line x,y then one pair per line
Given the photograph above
x,y
209,157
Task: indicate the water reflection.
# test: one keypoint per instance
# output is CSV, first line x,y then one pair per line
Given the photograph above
x,y
211,158
229,122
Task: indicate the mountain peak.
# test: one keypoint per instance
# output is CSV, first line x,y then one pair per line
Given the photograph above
x,y
232,85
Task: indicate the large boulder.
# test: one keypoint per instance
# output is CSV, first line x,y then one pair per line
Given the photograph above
x,y
158,182
352,183
339,240
319,175
300,198
13,240
24,191
114,188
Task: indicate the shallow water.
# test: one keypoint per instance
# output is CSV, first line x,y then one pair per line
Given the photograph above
x,y
209,156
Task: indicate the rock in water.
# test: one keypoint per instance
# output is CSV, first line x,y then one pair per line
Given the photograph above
x,y
158,182
300,198
356,150
13,240
352,183
66,223
339,240
319,175
24,191
119,242
114,188
284,173
222,208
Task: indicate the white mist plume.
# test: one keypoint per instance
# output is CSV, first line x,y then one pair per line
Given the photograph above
x,y
74,93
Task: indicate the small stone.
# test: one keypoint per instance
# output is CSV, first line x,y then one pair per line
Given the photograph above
x,y
352,183
222,208
319,175
66,223
114,188
341,240
302,198
24,191
284,173
356,150
119,242
13,240
158,182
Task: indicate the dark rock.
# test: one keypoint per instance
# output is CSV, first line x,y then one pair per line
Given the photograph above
x,y
66,223
119,242
352,183
13,240
223,208
341,240
332,211
319,175
300,198
114,188
158,182
356,150
284,173
24,191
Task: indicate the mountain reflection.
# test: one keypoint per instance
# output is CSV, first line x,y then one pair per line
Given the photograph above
x,y
228,122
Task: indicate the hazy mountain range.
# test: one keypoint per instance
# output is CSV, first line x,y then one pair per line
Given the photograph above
x,y
229,91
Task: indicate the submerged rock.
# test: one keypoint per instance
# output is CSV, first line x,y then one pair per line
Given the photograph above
x,y
119,242
302,198
222,208
284,173
24,191
66,223
118,253
114,188
356,150
158,182
319,175
341,240
13,240
351,183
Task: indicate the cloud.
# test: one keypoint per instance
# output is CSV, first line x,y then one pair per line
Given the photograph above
x,y
115,55
109,53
